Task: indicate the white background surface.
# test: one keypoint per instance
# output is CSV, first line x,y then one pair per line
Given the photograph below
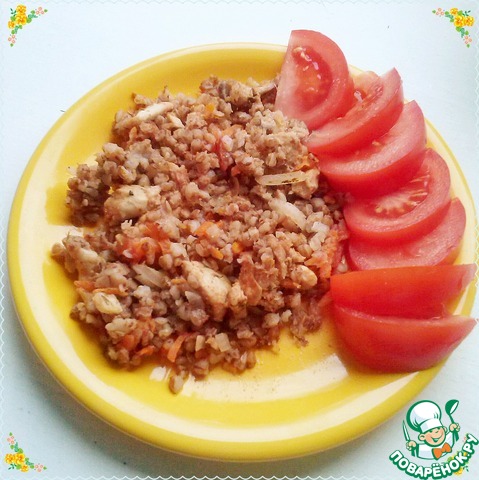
x,y
78,44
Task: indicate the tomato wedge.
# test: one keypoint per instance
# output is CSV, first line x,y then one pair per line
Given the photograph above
x,y
439,246
395,344
406,213
386,164
416,292
363,83
315,85
366,121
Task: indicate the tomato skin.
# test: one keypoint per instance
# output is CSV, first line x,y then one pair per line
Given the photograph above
x,y
314,63
368,219
415,292
384,165
439,246
398,345
364,122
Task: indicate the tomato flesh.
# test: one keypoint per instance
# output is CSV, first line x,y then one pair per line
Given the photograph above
x,y
439,246
316,78
315,85
416,292
395,344
363,83
365,122
406,213
384,165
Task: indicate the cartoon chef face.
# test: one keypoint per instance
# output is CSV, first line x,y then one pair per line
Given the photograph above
x,y
434,437
425,417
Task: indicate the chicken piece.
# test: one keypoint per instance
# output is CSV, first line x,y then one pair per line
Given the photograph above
x,y
78,256
247,281
306,188
128,202
213,286
153,111
304,277
238,301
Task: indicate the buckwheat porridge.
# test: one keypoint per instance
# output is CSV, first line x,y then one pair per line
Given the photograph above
x,y
202,231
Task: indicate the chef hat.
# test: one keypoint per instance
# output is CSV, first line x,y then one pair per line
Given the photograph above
x,y
424,416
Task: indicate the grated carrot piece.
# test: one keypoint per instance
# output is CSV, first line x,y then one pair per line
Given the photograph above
x,y
236,247
87,285
175,348
202,229
111,290
147,351
216,253
129,342
210,107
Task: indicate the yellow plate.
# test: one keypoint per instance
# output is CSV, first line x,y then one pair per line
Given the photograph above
x,y
294,402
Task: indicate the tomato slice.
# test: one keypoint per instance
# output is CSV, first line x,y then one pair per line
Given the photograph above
x,y
407,291
439,246
395,344
406,213
363,83
384,165
366,121
315,85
